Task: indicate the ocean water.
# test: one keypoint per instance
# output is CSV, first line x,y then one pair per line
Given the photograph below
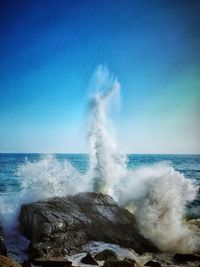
x,y
30,177
161,190
11,181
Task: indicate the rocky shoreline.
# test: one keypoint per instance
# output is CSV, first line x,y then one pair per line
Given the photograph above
x,y
88,229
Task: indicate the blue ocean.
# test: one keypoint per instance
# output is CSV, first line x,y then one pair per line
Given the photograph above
x,y
11,182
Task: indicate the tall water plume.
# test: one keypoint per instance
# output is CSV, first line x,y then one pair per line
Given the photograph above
x,y
107,166
157,194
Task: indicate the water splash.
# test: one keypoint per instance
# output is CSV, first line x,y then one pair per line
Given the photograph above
x,y
157,194
42,179
107,166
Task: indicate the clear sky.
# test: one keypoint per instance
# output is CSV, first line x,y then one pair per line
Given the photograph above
x,y
49,50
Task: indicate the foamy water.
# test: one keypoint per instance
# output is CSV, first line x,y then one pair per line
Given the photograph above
x,y
157,194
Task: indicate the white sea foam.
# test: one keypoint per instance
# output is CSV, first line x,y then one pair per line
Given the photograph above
x,y
107,166
42,179
157,194
95,247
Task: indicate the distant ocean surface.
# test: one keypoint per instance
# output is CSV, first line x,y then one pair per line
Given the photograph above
x,y
189,165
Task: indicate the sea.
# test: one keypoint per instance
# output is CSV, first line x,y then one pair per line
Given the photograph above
x,y
29,177
11,182
161,190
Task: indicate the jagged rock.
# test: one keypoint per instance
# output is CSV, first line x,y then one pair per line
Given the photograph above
x,y
88,259
62,225
119,263
106,254
182,258
7,262
152,263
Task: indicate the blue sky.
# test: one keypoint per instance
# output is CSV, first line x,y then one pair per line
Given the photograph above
x,y
50,49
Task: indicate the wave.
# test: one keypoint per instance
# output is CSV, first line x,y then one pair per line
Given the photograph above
x,y
156,194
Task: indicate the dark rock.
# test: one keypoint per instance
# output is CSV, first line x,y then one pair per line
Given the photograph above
x,y
134,262
106,254
62,225
88,259
52,262
119,263
27,263
3,250
182,258
152,263
7,262
36,250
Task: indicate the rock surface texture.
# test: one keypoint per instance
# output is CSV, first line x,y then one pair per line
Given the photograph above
x,y
106,254
62,225
88,259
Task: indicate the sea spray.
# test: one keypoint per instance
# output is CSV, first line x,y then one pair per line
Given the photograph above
x,y
157,194
107,166
40,180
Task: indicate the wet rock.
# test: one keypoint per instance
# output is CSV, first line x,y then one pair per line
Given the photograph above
x,y
7,262
152,263
63,225
183,258
119,263
106,254
88,259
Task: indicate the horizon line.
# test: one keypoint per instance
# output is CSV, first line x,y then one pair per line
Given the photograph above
x,y
85,153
